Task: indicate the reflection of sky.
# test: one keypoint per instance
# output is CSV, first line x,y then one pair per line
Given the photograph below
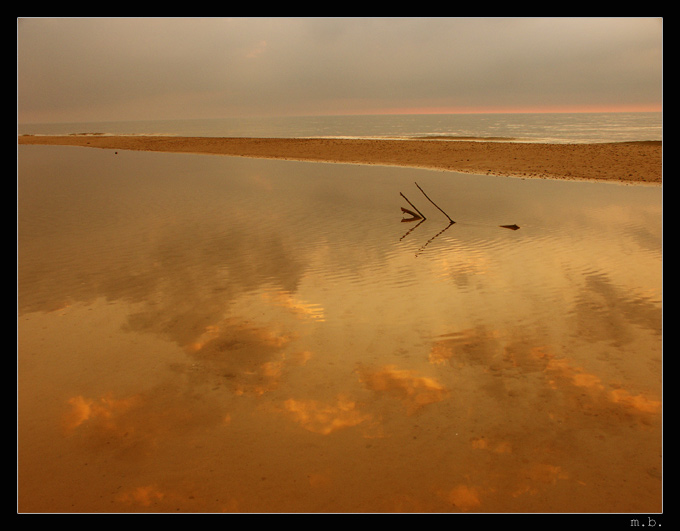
x,y
287,302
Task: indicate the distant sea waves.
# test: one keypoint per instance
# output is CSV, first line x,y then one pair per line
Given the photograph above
x,y
548,127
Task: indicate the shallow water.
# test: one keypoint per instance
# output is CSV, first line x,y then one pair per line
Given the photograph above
x,y
206,334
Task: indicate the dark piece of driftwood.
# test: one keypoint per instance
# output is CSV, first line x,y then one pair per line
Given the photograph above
x,y
511,227
435,204
414,206
413,215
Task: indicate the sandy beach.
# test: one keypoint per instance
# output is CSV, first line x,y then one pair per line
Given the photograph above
x,y
625,162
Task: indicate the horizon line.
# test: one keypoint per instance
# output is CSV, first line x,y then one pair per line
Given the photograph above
x,y
404,111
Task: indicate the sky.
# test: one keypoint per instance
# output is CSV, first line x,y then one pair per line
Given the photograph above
x,y
103,69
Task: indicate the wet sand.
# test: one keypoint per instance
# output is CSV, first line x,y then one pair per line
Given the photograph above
x,y
625,162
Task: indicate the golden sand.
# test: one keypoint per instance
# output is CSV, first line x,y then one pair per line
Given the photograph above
x,y
628,162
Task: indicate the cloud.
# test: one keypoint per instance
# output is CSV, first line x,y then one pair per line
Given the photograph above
x,y
413,390
195,67
325,418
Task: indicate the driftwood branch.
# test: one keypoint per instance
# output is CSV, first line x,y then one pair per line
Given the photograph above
x,y
409,202
413,215
418,215
435,204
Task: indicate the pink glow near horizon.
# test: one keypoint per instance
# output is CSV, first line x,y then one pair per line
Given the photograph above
x,y
510,110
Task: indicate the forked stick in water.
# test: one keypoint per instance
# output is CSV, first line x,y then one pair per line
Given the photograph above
x,y
435,204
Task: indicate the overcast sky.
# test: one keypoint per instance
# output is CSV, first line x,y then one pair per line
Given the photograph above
x,y
142,68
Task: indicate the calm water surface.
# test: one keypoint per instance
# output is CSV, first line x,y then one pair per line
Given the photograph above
x,y
206,334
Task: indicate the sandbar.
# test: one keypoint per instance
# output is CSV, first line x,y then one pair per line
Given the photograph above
x,y
623,162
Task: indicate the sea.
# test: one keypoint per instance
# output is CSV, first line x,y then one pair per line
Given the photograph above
x,y
514,127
